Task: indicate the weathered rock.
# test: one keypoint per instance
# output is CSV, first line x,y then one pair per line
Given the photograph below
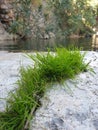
x,y
10,64
73,105
39,19
5,35
4,6
6,15
3,11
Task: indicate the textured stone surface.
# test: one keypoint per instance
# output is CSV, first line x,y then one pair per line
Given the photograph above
x,y
6,14
5,35
9,73
73,105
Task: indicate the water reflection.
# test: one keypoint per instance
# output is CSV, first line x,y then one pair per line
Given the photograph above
x,y
42,45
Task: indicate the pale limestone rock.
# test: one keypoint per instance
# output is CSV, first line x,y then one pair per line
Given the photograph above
x,y
10,64
73,105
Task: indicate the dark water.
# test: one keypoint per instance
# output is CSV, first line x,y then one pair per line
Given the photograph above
x,y
43,45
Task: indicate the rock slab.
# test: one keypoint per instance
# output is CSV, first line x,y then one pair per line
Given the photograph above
x,y
69,106
10,64
72,105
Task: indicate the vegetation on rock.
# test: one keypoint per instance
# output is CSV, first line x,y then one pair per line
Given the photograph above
x,y
34,80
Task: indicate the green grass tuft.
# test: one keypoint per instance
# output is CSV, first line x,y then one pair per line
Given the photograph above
x,y
64,64
49,67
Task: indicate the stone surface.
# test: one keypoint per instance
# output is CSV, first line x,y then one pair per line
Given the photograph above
x,y
4,35
39,22
69,106
6,15
73,105
10,64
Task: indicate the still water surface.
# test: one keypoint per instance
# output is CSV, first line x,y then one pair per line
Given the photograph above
x,y
43,45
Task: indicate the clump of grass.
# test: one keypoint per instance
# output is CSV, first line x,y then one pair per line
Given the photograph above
x,y
48,67
20,103
64,64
